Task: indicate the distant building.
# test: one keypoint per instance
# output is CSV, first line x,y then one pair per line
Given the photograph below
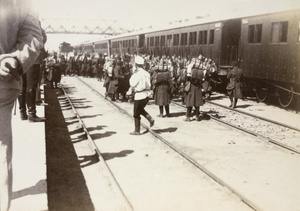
x,y
65,48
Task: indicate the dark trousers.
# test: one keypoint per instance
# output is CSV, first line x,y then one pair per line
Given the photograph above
x,y
139,108
27,96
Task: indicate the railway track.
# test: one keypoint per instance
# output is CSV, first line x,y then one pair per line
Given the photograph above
x,y
181,153
282,135
166,142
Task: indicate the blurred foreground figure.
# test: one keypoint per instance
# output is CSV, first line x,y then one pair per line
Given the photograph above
x,y
20,43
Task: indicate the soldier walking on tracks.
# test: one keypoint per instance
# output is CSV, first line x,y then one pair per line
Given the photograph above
x,y
140,84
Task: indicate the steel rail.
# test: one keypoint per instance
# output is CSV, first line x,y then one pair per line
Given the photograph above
x,y
258,117
127,204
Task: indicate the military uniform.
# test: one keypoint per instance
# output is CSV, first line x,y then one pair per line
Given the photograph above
x,y
193,96
235,74
161,81
118,81
140,82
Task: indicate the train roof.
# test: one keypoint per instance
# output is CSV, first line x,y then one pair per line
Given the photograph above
x,y
193,22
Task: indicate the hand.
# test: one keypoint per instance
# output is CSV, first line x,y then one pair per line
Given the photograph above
x,y
130,91
8,67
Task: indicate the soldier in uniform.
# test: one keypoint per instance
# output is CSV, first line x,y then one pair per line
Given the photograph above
x,y
95,66
126,73
119,80
180,80
84,64
108,73
235,76
101,62
161,81
193,79
54,74
140,82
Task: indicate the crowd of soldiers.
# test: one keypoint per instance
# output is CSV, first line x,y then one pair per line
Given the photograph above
x,y
189,79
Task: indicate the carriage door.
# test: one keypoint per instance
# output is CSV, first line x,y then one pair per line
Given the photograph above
x,y
231,33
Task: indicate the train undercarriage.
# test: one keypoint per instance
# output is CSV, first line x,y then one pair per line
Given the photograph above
x,y
287,95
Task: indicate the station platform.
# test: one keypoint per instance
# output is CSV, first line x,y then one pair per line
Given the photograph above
x,y
29,163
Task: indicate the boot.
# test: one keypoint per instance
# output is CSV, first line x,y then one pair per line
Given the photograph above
x,y
23,115
187,119
197,114
34,118
22,105
137,124
231,102
150,119
167,107
188,114
235,102
161,111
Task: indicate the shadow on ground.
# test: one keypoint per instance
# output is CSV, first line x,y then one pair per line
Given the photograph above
x,y
65,181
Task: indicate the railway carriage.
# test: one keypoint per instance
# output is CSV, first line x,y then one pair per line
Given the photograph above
x,y
101,47
266,46
126,44
271,55
186,41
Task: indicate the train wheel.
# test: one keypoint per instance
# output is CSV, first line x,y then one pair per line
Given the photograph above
x,y
261,94
285,98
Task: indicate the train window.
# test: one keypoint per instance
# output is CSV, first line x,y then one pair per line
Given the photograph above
x,y
176,39
202,38
157,41
193,38
151,41
162,40
183,39
255,33
211,36
279,32
169,40
100,46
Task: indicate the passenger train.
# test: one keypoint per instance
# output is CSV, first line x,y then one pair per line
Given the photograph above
x,y
267,47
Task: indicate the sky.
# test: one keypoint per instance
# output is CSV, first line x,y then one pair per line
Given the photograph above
x,y
141,14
